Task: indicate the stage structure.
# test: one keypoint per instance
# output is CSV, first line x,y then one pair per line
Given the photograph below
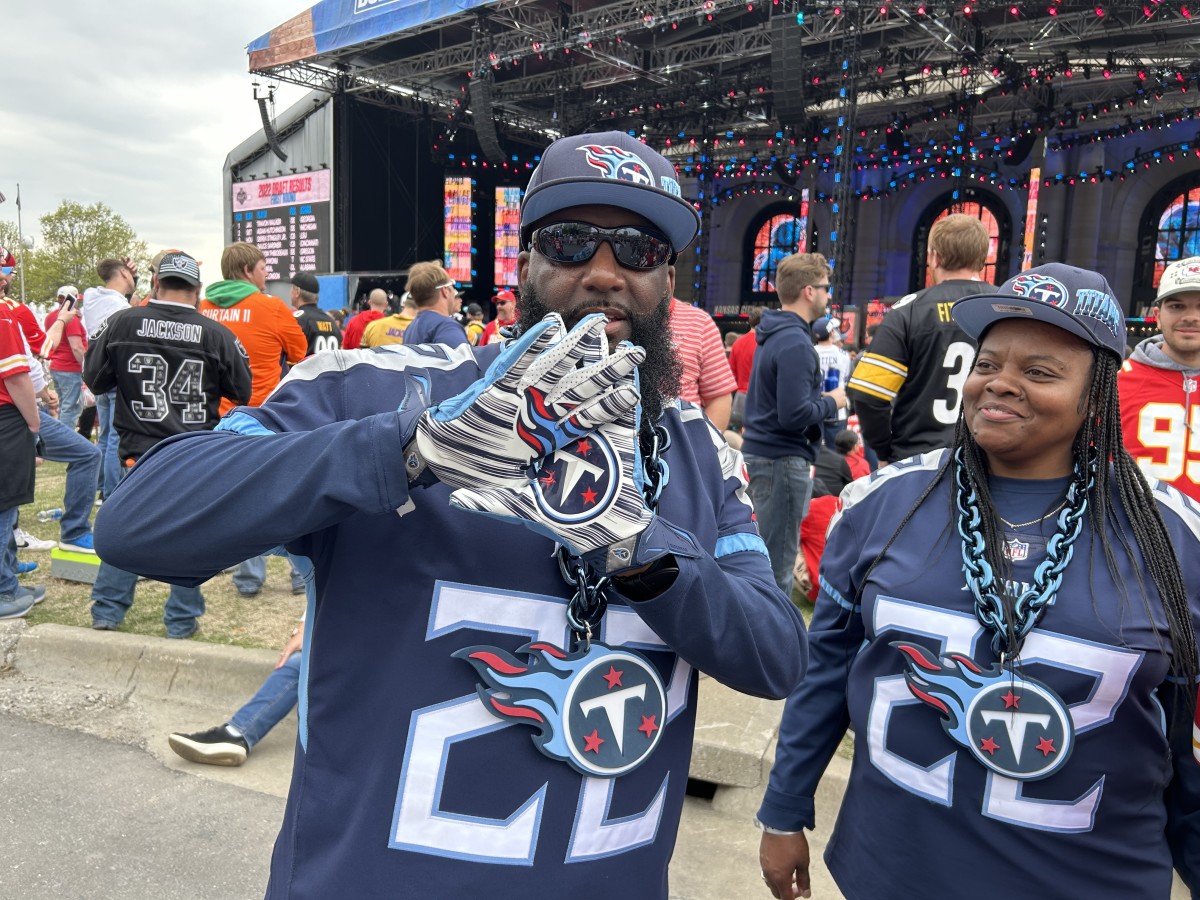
x,y
881,111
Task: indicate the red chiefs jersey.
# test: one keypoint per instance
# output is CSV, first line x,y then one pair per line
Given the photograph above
x,y
1160,420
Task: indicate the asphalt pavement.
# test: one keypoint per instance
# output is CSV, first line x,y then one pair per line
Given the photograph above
x,y
84,817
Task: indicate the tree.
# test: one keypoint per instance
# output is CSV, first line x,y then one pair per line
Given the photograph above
x,y
10,240
74,238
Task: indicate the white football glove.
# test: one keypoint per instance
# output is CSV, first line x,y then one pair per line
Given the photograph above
x,y
543,391
588,496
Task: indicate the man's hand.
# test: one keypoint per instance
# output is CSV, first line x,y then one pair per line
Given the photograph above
x,y
839,397
293,645
588,497
51,400
545,390
784,862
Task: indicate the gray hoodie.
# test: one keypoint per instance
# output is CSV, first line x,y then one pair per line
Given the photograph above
x,y
1150,353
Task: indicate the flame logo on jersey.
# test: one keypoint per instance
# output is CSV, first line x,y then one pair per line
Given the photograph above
x,y
1042,288
1014,726
538,428
598,709
615,162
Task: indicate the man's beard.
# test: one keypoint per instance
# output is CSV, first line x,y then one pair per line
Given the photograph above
x,y
661,370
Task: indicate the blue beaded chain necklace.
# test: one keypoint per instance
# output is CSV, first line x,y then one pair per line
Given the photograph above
x,y
1029,605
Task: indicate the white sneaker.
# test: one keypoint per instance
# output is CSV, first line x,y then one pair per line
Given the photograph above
x,y
26,541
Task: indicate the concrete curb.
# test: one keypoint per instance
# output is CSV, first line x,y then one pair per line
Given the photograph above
x,y
733,750
186,671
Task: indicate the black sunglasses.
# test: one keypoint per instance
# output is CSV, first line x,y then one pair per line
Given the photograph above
x,y
633,246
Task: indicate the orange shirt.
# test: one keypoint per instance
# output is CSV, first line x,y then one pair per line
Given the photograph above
x,y
269,333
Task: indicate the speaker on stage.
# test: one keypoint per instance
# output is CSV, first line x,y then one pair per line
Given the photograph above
x,y
480,93
787,70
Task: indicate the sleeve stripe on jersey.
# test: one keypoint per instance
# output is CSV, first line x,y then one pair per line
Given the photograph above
x,y
836,596
1180,504
856,490
868,388
742,542
878,375
394,357
16,361
241,423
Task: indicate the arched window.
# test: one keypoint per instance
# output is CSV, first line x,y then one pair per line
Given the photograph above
x,y
983,207
1170,228
775,235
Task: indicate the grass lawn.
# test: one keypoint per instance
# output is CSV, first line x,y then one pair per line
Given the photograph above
x,y
262,621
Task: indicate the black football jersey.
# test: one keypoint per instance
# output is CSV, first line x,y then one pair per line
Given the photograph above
x,y
170,366
319,327
907,387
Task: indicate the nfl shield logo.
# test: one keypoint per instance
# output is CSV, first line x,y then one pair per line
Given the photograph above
x,y
1016,550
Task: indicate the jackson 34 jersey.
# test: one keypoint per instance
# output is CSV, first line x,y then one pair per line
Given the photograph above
x,y
1057,781
415,776
1160,423
171,366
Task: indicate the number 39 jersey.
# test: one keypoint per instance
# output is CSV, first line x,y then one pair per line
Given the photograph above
x,y
907,387
1160,419
170,366
1107,820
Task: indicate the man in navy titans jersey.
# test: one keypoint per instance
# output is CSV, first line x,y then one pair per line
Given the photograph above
x,y
481,728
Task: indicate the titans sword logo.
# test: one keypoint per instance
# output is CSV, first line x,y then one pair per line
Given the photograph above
x,y
599,709
1014,726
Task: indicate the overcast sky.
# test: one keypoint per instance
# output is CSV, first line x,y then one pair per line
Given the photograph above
x,y
134,103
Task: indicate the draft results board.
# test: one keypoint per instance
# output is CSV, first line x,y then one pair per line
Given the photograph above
x,y
288,220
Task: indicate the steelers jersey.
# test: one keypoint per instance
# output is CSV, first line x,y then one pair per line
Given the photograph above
x,y
907,387
320,329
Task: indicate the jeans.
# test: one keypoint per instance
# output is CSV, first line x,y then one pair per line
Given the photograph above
x,y
780,490
250,575
70,395
110,463
62,443
8,551
112,595
270,703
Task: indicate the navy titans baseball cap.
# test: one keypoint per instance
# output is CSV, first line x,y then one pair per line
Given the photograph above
x,y
177,264
1076,300
609,169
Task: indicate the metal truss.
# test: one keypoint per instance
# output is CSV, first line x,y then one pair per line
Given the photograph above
x,y
695,66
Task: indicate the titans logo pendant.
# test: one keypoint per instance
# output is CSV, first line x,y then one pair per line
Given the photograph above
x,y
599,709
1014,726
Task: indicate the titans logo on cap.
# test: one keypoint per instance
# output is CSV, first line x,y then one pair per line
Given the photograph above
x,y
615,162
1042,288
579,482
599,709
1012,725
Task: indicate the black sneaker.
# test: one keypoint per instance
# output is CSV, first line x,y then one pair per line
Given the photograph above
x,y
217,747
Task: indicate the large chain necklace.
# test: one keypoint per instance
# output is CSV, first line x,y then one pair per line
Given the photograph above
x,y
586,607
600,709
1029,605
